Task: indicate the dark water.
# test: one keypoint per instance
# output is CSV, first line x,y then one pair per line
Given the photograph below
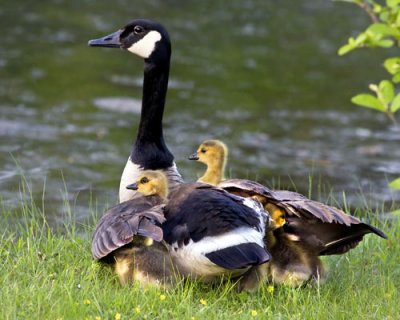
x,y
261,75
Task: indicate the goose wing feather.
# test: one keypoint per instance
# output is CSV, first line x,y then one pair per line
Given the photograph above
x,y
240,256
117,227
199,210
324,229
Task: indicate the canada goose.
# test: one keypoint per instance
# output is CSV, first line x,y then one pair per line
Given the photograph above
x,y
211,233
124,236
223,238
150,41
301,229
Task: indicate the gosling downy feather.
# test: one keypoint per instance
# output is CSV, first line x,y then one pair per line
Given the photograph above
x,y
214,154
150,41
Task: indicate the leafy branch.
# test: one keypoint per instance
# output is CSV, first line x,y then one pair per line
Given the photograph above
x,y
384,32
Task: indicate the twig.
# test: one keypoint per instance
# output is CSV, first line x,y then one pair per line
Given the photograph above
x,y
367,8
392,118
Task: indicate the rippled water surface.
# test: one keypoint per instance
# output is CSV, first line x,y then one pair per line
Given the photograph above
x,y
261,75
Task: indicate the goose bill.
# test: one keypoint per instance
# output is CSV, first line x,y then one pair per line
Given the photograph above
x,y
110,41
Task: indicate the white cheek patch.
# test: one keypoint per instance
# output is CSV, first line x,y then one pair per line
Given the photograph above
x,y
145,47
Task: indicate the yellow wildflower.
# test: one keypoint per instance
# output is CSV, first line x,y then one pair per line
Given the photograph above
x,y
97,318
137,310
162,297
270,289
203,302
87,301
117,316
253,313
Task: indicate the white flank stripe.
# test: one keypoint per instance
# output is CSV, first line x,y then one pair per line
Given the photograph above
x,y
259,210
192,256
145,47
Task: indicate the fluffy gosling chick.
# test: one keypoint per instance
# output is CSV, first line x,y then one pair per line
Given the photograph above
x,y
291,264
301,229
124,235
214,154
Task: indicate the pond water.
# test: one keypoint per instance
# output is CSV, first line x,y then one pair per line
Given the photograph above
x,y
263,76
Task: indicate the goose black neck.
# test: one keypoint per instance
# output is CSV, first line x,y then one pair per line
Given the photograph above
x,y
150,151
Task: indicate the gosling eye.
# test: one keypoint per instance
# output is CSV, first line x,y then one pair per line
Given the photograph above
x,y
144,180
203,150
138,29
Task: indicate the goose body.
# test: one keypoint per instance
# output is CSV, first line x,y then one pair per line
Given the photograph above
x,y
223,239
150,41
211,233
301,229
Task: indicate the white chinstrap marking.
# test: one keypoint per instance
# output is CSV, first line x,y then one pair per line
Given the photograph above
x,y
130,175
145,46
192,256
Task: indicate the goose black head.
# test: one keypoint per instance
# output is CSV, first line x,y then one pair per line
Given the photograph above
x,y
145,38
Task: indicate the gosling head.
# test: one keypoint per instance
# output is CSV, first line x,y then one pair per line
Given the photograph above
x,y
210,152
214,154
145,38
151,183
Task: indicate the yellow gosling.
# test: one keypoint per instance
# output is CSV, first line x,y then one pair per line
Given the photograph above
x,y
214,154
151,183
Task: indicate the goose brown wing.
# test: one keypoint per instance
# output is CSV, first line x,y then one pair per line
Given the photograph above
x,y
117,227
325,229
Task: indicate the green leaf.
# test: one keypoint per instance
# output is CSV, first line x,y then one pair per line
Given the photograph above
x,y
395,212
386,91
368,101
395,104
361,38
396,78
384,30
377,8
392,65
345,49
392,3
384,16
395,184
385,43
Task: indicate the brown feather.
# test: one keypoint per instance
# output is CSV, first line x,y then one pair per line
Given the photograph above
x,y
326,229
118,226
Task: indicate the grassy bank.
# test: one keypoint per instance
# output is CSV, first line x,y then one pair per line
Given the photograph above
x,y
49,274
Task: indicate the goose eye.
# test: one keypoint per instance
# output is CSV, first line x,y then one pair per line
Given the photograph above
x,y
138,30
144,180
203,150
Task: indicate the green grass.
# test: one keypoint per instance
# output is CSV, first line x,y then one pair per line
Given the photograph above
x,y
47,274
